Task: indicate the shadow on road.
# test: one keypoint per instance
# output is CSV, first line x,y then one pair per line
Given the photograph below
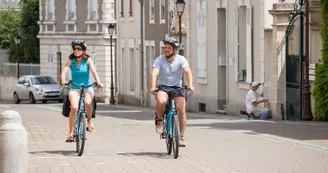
x,y
54,152
150,154
295,131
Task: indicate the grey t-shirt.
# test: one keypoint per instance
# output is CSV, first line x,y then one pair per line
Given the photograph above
x,y
170,74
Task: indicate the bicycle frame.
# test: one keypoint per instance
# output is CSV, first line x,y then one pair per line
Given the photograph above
x,y
169,115
81,110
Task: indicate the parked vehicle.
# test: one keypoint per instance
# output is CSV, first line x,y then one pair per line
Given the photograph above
x,y
37,88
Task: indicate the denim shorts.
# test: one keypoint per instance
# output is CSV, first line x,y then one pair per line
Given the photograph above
x,y
179,92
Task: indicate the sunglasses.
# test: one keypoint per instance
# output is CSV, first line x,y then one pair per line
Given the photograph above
x,y
77,48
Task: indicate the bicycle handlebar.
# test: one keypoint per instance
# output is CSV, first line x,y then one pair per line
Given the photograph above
x,y
85,86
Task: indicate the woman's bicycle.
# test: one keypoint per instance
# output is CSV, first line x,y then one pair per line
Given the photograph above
x,y
171,128
80,122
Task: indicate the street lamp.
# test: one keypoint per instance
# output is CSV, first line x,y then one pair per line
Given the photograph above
x,y
180,5
111,31
17,41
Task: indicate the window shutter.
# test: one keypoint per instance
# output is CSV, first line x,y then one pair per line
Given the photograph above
x,y
201,41
249,64
236,43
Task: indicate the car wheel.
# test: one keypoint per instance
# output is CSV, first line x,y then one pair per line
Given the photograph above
x,y
16,99
44,101
31,98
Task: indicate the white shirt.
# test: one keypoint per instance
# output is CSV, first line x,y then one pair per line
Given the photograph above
x,y
251,97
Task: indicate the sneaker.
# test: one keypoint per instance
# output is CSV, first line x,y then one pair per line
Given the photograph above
x,y
181,142
159,126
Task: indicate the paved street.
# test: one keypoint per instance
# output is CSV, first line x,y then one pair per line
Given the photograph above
x,y
125,141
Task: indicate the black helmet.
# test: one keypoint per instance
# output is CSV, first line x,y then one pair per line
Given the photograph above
x,y
80,43
172,41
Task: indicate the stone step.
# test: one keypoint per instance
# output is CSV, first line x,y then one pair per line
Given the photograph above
x,y
221,111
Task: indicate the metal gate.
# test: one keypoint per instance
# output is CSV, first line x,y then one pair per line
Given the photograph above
x,y
294,58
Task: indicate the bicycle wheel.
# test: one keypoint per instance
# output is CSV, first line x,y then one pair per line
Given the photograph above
x,y
175,135
168,138
80,138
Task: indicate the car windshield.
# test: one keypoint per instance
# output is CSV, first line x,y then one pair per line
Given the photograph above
x,y
42,80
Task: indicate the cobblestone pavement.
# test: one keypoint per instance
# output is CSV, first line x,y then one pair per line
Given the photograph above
x,y
125,141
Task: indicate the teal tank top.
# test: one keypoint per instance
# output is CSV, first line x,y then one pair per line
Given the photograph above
x,y
80,75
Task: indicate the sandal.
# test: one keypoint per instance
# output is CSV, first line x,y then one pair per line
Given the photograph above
x,y
70,139
90,126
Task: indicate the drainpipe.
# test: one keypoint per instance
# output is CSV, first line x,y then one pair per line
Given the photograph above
x,y
142,49
116,50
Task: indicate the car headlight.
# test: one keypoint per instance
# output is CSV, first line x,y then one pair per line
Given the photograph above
x,y
38,89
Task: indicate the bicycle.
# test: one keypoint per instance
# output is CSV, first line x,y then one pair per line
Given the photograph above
x,y
80,123
171,128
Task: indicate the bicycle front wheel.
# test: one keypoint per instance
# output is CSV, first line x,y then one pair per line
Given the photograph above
x,y
168,138
175,135
80,137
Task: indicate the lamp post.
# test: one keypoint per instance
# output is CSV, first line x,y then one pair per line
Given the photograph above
x,y
307,113
17,41
110,31
180,5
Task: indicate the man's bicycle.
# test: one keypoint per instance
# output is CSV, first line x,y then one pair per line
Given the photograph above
x,y
171,128
80,122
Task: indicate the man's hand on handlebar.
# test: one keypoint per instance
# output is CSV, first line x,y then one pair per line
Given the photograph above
x,y
152,90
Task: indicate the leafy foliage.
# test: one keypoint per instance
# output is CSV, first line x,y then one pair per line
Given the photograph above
x,y
29,30
9,26
320,91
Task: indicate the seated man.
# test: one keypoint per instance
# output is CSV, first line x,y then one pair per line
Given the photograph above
x,y
252,103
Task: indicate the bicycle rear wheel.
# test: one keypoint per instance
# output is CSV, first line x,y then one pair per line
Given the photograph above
x,y
168,138
175,135
80,137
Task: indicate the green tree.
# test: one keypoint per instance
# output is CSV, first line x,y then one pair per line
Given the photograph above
x,y
29,30
320,91
9,26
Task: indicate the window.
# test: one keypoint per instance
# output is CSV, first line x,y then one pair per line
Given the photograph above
x,y
243,44
93,12
132,65
201,42
151,11
51,10
93,57
21,80
122,8
131,5
162,11
71,10
161,48
42,80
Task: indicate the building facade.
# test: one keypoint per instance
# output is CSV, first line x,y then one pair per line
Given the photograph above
x,y
235,43
62,21
139,43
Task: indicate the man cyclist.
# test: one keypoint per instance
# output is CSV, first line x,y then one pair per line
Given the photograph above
x,y
167,72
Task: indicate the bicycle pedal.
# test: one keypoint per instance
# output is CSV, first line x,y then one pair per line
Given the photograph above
x,y
163,136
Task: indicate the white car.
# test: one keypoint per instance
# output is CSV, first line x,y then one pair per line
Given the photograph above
x,y
37,88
